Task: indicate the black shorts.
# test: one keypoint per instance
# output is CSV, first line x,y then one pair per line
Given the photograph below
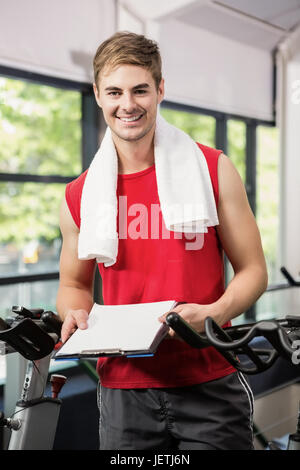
x,y
212,415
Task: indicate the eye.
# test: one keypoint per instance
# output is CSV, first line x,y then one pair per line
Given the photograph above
x,y
114,93
140,92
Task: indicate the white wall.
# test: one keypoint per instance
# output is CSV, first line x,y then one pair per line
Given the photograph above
x,y
207,70
57,38
60,37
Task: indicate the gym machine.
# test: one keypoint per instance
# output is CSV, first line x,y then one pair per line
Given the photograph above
x,y
33,334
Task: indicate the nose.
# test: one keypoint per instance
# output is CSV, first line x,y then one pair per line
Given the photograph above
x,y
127,103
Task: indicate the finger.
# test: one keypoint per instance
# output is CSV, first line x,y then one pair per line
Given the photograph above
x,y
81,317
178,309
164,316
67,329
173,335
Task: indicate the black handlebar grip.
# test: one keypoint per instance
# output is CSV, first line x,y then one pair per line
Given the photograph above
x,y
185,331
53,322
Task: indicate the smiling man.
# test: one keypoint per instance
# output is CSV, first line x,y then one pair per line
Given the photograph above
x,y
182,398
129,96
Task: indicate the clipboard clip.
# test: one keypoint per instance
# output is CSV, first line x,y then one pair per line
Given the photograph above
x,y
96,352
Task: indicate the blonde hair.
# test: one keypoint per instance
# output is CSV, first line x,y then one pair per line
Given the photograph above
x,y
128,48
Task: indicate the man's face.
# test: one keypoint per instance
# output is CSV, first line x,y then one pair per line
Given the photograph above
x,y
128,97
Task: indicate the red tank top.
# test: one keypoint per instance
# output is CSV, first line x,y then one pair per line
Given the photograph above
x,y
152,265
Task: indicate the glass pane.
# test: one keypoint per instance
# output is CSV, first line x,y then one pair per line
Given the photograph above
x,y
29,221
273,304
236,135
40,129
40,294
236,138
268,193
200,127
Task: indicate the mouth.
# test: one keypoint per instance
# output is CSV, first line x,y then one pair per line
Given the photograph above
x,y
130,119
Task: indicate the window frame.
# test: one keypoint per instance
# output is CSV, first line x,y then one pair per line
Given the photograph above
x,y
90,135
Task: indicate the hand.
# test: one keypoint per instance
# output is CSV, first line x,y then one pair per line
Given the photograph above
x,y
194,314
74,319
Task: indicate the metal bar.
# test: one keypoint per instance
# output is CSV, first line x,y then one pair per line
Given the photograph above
x,y
49,80
274,85
221,134
251,164
250,314
210,112
55,275
90,127
275,287
25,178
8,280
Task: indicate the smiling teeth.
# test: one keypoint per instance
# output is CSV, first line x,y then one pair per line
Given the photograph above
x,y
131,119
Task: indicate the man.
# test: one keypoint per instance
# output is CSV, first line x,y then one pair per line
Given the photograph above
x,y
182,398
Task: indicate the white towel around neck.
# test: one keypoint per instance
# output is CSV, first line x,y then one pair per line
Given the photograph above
x,y
184,189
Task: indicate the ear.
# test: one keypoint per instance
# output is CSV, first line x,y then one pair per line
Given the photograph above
x,y
97,95
161,91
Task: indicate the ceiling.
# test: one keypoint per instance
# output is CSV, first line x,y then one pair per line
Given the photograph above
x,y
260,23
283,14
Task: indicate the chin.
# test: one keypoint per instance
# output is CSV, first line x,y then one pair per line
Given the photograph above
x,y
131,136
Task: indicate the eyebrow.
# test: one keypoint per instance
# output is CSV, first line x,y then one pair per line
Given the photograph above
x,y
136,87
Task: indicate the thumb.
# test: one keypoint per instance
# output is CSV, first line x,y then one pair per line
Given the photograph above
x,y
164,316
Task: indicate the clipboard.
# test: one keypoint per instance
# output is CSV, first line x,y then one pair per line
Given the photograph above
x,y
130,330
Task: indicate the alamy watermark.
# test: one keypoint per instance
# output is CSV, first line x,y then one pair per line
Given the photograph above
x,y
296,353
137,221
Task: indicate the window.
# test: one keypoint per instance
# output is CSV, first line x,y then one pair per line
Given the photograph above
x,y
200,127
271,304
40,129
40,133
48,134
268,190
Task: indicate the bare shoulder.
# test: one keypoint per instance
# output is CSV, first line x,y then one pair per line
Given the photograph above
x,y
231,186
67,224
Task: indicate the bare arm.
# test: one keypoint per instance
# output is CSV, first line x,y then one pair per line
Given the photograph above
x,y
75,293
241,241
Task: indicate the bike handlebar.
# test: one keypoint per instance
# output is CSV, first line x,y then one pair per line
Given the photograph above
x,y
33,333
233,341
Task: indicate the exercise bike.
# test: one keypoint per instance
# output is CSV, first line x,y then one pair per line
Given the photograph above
x,y
33,334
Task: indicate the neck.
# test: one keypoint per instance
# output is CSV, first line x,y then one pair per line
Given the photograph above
x,y
135,156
